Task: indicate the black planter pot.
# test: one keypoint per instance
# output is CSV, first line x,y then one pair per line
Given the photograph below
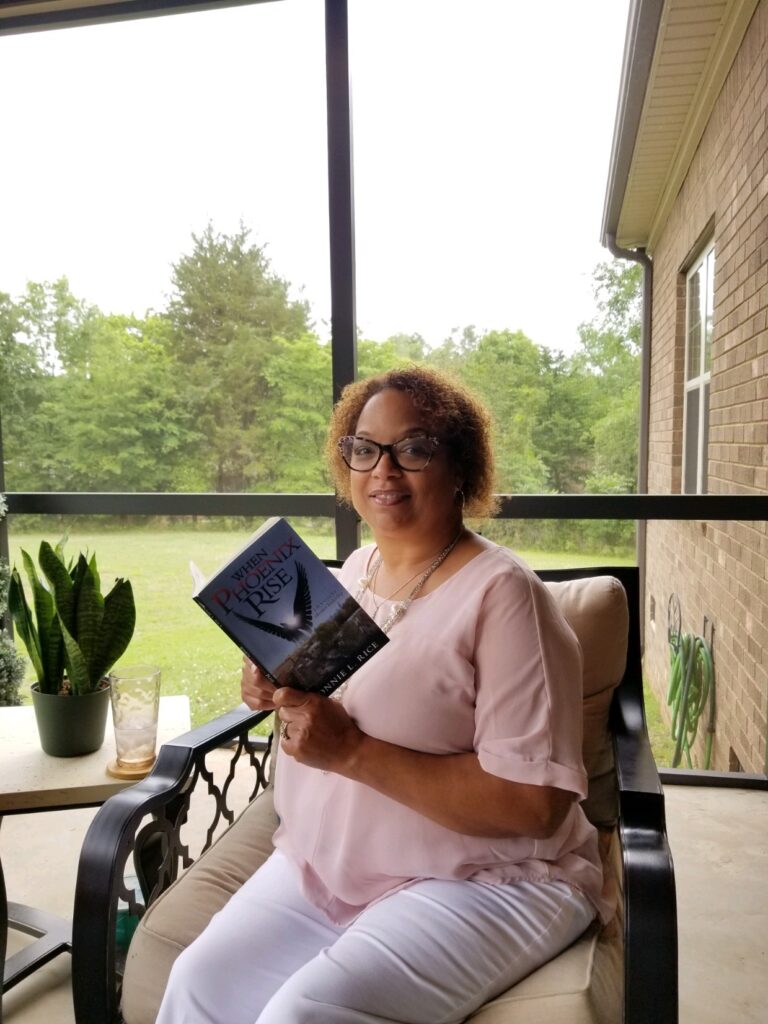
x,y
71,724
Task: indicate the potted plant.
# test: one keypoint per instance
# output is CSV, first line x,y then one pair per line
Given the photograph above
x,y
74,637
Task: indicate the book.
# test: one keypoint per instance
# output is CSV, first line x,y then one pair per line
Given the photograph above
x,y
287,611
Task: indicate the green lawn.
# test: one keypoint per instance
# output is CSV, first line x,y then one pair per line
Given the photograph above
x,y
195,657
662,744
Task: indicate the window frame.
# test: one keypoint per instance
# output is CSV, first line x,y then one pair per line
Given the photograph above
x,y
698,383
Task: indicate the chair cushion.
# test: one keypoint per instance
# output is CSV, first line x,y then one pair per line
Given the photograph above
x,y
584,984
181,913
597,611
580,986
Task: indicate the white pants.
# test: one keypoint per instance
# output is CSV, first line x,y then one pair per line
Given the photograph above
x,y
428,954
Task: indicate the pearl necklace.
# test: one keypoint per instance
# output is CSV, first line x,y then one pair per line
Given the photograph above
x,y
401,607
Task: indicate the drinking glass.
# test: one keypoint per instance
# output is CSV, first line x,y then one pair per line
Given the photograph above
x,y
135,696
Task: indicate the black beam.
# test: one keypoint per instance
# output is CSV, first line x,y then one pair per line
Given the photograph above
x,y
185,504
520,506
717,780
340,196
341,219
5,620
635,506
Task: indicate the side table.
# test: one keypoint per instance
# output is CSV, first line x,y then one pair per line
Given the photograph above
x,y
31,781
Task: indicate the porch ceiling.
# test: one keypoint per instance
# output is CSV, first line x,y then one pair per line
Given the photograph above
x,y
28,15
669,86
11,10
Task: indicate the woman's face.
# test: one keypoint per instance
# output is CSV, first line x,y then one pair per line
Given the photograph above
x,y
391,500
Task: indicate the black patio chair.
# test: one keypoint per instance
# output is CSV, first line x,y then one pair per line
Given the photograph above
x,y
638,963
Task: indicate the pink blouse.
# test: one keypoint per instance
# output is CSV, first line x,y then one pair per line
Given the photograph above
x,y
484,663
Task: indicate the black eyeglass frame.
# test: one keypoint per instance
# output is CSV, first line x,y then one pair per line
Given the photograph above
x,y
434,443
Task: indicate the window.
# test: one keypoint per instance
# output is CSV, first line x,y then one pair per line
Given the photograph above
x,y
699,307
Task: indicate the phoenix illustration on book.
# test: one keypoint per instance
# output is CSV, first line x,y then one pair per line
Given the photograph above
x,y
299,625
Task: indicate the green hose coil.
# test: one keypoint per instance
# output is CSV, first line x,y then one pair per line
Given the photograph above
x,y
691,686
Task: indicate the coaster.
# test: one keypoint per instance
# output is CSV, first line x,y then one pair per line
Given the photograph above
x,y
120,771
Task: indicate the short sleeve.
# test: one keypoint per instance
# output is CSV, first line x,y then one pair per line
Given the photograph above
x,y
528,669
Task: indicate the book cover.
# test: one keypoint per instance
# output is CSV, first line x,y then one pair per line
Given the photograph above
x,y
287,611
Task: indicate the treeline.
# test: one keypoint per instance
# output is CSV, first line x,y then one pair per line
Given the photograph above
x,y
228,389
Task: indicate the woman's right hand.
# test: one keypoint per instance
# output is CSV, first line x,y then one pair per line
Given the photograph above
x,y
256,690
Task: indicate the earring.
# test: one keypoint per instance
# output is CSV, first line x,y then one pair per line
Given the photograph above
x,y
460,497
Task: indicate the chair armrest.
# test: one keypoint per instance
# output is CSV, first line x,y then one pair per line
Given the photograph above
x,y
117,831
650,908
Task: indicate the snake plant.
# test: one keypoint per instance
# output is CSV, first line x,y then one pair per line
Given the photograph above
x,y
76,634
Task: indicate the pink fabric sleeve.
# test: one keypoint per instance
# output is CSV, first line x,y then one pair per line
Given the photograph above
x,y
528,665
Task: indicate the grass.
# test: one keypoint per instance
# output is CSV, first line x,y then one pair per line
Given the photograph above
x,y
662,744
194,656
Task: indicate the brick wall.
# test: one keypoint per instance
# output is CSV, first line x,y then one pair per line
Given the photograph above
x,y
718,570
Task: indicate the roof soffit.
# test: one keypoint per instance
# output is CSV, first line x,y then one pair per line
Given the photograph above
x,y
695,47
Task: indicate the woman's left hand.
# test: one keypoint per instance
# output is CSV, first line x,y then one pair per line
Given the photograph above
x,y
316,730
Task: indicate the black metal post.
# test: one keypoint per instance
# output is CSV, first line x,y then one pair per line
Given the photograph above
x,y
342,229
5,622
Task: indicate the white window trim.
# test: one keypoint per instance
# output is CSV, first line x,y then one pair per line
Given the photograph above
x,y
698,383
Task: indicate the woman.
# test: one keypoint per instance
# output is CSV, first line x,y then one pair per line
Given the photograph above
x,y
431,848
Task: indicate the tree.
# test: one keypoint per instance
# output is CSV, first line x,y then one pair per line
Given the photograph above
x,y
123,425
375,357
505,369
562,435
56,325
42,335
610,352
298,375
20,386
226,310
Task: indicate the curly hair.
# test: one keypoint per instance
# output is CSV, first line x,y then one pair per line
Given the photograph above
x,y
453,412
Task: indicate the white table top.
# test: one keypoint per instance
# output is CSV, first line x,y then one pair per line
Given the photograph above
x,y
31,780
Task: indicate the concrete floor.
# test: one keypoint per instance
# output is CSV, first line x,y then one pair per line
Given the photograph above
x,y
719,840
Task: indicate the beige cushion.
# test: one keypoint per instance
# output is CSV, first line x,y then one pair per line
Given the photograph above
x,y
577,987
178,917
597,611
583,984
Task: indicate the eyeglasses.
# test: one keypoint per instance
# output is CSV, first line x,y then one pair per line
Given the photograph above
x,y
411,454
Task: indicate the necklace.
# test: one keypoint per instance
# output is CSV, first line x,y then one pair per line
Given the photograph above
x,y
401,607
399,610
371,583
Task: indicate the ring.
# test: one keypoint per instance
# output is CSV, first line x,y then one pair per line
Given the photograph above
x,y
284,731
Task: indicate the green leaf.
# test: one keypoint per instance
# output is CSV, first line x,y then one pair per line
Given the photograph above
x,y
59,549
24,623
95,571
61,583
77,572
48,630
77,667
117,628
89,614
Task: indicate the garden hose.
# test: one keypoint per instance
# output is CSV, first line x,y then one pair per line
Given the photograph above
x,y
691,685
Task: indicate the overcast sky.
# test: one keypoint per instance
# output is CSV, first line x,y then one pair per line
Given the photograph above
x,y
482,133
